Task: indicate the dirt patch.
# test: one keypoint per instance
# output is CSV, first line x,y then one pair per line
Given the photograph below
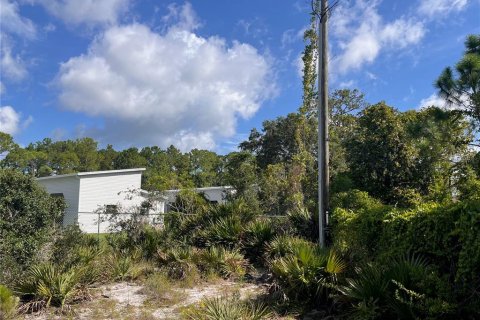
x,y
195,295
125,294
128,301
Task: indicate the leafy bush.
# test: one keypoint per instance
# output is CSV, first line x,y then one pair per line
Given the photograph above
x,y
72,245
8,303
228,308
219,225
303,223
178,262
125,265
308,274
284,245
28,215
391,290
221,261
255,238
443,233
225,232
47,283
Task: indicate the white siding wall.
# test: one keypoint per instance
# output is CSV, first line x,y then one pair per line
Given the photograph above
x,y
105,189
69,186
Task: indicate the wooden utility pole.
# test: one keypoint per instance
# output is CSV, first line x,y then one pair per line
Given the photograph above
x,y
322,111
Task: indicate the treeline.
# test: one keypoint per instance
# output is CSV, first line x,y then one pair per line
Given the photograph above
x,y
166,168
398,157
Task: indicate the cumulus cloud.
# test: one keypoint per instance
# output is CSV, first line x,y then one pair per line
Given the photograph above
x,y
12,66
89,12
440,8
432,100
13,22
170,88
11,121
12,25
361,35
181,17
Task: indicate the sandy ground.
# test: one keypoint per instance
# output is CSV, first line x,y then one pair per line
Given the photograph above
x,y
127,301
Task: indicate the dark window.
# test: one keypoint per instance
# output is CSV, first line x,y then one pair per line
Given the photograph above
x,y
111,208
58,195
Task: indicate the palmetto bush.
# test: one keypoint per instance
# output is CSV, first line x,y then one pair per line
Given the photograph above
x,y
283,245
8,303
225,232
178,262
125,265
221,261
390,290
308,274
47,283
256,237
302,222
228,308
219,225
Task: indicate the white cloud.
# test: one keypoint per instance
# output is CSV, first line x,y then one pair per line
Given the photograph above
x,y
10,120
12,22
89,12
49,27
175,87
440,8
432,100
347,84
182,17
371,75
13,25
12,66
361,35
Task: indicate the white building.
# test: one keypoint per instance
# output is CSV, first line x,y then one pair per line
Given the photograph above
x,y
120,190
86,192
212,194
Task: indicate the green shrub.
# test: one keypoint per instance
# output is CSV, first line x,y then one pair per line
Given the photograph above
x,y
388,291
47,283
221,261
443,233
67,242
283,245
125,265
8,303
178,262
255,239
303,223
28,217
220,224
308,274
225,232
228,308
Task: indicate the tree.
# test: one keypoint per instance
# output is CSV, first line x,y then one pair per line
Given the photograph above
x,y
128,159
205,167
379,157
28,215
107,158
6,143
461,87
86,150
399,157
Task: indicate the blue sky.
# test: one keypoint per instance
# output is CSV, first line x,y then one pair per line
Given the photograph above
x,y
203,73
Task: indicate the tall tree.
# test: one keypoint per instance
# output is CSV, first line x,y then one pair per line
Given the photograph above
x,y
461,86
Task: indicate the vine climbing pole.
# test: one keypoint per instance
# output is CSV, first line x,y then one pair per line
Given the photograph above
x,y
322,113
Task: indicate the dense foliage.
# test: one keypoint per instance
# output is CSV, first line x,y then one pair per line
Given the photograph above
x,y
404,213
28,217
